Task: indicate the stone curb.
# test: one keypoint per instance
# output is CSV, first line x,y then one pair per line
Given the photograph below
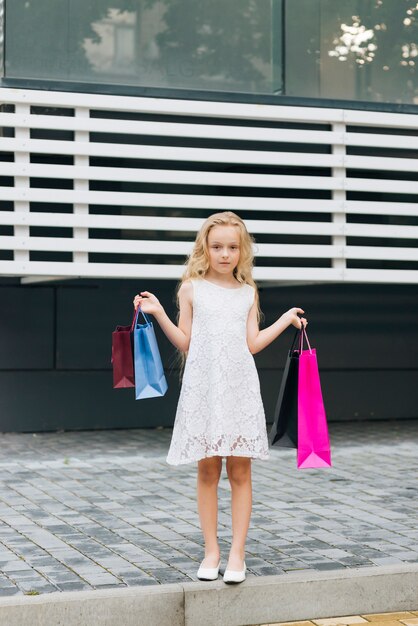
x,y
264,599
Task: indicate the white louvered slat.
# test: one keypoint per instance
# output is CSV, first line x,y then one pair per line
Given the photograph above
x,y
399,209
234,203
182,248
203,155
375,118
382,163
207,109
211,131
164,129
375,252
181,177
164,223
151,247
147,272
208,178
193,224
380,141
211,155
124,199
127,151
322,184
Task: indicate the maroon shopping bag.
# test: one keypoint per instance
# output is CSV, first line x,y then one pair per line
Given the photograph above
x,y
313,440
122,356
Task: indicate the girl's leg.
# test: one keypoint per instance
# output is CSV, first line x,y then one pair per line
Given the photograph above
x,y
208,474
239,474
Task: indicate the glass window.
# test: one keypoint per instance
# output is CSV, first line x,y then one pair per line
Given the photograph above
x,y
352,49
342,49
193,44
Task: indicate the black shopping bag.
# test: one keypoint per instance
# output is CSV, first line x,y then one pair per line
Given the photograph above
x,y
284,431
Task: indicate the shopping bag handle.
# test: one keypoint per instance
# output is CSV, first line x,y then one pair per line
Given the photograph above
x,y
293,346
137,311
303,335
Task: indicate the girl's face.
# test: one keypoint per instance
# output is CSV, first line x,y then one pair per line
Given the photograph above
x,y
223,248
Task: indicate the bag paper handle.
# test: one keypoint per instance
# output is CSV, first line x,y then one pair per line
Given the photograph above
x,y
293,346
135,318
302,335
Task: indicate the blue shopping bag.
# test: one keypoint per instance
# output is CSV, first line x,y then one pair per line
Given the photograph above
x,y
150,380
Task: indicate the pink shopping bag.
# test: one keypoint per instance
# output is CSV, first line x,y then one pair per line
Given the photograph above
x,y
313,439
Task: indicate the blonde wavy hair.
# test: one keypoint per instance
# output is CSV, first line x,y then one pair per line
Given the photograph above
x,y
197,262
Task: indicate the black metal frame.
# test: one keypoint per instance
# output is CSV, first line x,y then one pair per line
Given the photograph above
x,y
2,37
199,95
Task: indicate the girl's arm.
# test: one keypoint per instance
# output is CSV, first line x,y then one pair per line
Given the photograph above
x,y
257,339
178,335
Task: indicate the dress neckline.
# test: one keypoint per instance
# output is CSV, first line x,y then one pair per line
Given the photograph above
x,y
220,287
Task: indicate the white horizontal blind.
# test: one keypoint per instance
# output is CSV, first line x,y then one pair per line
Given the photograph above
x,y
109,186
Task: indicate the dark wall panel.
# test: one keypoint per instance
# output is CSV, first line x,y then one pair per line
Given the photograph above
x,y
38,401
352,326
55,369
26,328
86,317
42,401
350,395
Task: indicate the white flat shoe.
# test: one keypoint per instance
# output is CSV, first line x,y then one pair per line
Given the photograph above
x,y
208,573
234,576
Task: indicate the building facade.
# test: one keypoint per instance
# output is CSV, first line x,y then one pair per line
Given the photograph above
x,y
125,123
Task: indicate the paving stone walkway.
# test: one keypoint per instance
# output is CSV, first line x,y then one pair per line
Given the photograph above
x,y
95,509
404,618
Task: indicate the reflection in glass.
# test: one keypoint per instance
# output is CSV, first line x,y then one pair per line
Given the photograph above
x,y
356,40
342,49
195,44
112,49
353,50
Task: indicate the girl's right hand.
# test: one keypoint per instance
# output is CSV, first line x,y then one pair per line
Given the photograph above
x,y
293,317
148,302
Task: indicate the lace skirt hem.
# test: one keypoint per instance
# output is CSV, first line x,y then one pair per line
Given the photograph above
x,y
261,456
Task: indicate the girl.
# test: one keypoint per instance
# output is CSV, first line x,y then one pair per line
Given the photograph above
x,y
220,411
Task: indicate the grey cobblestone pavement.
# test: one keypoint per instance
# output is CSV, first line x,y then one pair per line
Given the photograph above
x,y
95,509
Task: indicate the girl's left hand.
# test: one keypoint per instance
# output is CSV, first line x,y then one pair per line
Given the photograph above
x,y
294,318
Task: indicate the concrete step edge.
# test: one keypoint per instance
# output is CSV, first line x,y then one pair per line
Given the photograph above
x,y
265,599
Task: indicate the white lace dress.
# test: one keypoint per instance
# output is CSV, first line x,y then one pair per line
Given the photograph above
x,y
220,410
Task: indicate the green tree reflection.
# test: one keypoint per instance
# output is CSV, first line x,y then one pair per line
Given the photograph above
x,y
216,41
